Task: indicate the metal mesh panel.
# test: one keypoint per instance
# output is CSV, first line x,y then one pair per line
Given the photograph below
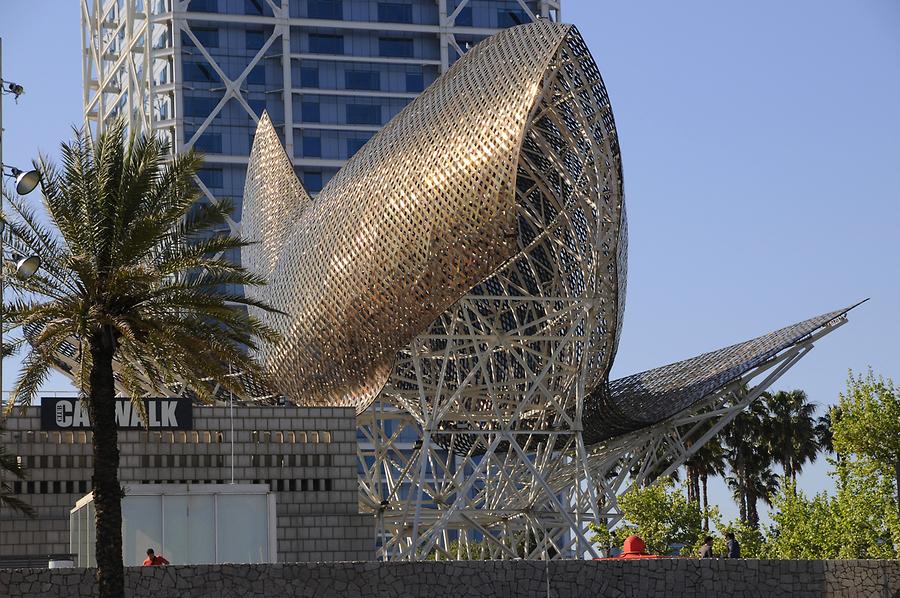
x,y
649,397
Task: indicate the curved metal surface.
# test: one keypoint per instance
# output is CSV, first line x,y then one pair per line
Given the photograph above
x,y
498,185
517,344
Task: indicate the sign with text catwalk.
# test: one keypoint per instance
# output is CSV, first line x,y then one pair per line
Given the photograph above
x,y
162,414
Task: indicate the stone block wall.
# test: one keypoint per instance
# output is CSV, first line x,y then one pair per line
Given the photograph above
x,y
688,578
306,455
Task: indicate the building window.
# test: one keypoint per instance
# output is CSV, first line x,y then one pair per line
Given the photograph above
x,y
395,47
253,7
210,143
312,181
464,18
211,177
512,17
199,107
310,112
362,80
320,43
309,76
255,39
354,145
363,114
394,12
325,9
415,82
207,36
312,147
204,6
257,106
257,75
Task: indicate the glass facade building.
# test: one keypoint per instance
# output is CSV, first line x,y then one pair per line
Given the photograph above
x,y
330,73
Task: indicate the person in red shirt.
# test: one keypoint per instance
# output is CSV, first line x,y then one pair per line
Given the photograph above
x,y
154,561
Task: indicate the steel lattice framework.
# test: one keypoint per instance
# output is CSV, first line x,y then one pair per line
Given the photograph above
x,y
462,281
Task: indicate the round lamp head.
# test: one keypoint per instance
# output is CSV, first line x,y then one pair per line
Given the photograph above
x,y
27,266
26,181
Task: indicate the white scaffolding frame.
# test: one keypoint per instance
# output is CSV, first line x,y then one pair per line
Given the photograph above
x,y
517,499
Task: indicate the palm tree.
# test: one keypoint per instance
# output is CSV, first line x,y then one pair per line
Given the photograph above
x,y
824,435
132,274
10,466
708,461
792,433
749,459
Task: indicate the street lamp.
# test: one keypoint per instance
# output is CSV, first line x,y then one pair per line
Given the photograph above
x,y
25,181
26,267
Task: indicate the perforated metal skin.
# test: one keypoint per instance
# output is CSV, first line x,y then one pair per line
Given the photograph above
x,y
647,398
495,197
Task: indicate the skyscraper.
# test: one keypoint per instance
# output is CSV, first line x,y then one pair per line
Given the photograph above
x,y
330,73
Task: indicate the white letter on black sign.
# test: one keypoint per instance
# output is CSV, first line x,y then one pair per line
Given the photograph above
x,y
123,413
80,418
167,412
64,414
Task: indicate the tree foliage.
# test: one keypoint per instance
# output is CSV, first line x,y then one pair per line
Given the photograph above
x,y
858,522
861,519
868,429
660,514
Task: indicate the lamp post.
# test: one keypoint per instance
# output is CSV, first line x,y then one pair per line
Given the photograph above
x,y
26,182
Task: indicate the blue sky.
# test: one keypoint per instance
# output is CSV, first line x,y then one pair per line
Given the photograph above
x,y
761,148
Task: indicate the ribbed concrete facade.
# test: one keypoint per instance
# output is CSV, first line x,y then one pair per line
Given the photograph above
x,y
307,456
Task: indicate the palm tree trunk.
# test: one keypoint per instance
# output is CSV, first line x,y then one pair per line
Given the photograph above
x,y
107,492
704,479
752,513
693,485
695,482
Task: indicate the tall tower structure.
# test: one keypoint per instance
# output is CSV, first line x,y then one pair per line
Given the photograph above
x,y
330,73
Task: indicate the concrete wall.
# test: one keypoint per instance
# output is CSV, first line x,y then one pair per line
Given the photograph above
x,y
663,577
306,455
